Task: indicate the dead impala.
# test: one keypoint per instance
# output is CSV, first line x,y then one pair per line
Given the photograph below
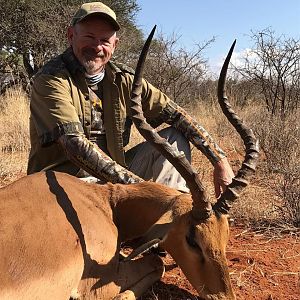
x,y
60,237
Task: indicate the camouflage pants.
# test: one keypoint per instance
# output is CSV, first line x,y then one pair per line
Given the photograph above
x,y
149,164
146,162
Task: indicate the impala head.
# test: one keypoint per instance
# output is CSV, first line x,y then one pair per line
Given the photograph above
x,y
199,249
197,237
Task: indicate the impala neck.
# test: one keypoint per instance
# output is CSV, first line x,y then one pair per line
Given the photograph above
x,y
137,207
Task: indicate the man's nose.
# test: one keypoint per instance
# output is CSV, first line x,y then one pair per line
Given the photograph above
x,y
97,44
98,47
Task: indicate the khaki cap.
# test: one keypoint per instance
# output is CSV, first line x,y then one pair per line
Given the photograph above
x,y
88,9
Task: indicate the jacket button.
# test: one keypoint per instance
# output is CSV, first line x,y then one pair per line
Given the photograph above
x,y
87,98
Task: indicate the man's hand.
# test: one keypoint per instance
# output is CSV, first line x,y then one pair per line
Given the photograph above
x,y
223,175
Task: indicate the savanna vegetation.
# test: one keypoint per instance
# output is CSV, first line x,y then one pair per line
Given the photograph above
x,y
264,90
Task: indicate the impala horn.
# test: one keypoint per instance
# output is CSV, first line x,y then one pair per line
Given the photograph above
x,y
201,205
241,180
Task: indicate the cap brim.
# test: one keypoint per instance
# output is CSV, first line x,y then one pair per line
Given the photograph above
x,y
105,16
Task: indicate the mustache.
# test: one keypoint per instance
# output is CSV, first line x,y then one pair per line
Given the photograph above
x,y
91,53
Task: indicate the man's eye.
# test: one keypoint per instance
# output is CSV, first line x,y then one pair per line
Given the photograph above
x,y
105,42
89,37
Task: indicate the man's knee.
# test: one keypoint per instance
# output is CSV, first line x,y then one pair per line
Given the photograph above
x,y
177,139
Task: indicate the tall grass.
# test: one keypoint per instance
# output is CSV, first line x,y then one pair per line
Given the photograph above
x,y
280,140
14,134
14,124
258,203
274,193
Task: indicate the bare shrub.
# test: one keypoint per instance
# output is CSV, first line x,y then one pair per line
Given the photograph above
x,y
280,141
176,71
273,65
290,189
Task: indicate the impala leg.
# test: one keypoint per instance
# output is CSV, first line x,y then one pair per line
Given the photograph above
x,y
138,275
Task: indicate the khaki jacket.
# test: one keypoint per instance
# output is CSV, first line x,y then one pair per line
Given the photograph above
x,y
60,104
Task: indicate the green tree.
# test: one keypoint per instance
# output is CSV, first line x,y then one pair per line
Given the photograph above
x,y
33,31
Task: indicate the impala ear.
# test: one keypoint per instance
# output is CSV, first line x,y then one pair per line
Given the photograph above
x,y
142,249
157,231
152,238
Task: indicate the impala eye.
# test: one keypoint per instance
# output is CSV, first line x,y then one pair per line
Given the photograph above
x,y
190,238
191,242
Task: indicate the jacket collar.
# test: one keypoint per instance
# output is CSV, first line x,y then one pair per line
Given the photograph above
x,y
72,62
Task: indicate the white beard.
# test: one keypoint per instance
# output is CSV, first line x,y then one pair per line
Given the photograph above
x,y
90,65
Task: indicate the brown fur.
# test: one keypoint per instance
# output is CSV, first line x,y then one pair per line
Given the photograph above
x,y
59,234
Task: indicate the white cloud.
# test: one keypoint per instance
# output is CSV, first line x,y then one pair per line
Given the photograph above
x,y
237,60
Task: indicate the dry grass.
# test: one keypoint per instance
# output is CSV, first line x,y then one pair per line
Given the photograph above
x,y
14,124
265,201
258,269
14,136
12,166
273,196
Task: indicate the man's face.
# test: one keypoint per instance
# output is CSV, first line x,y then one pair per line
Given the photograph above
x,y
93,41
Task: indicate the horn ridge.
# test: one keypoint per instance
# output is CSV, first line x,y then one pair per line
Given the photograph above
x,y
241,180
201,203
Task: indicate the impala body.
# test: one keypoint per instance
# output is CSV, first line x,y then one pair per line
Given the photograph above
x,y
61,237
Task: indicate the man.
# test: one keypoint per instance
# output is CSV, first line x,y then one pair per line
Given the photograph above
x,y
80,114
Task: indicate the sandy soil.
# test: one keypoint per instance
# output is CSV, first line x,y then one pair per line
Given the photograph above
x,y
262,267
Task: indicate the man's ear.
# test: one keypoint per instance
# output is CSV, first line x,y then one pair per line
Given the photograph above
x,y
70,34
116,44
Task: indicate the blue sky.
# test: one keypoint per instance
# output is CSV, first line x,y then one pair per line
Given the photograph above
x,y
226,20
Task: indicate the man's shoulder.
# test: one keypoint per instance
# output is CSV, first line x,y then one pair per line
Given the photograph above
x,y
52,70
54,66
121,68
65,63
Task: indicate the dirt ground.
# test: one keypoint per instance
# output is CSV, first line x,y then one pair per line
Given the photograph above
x,y
263,266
